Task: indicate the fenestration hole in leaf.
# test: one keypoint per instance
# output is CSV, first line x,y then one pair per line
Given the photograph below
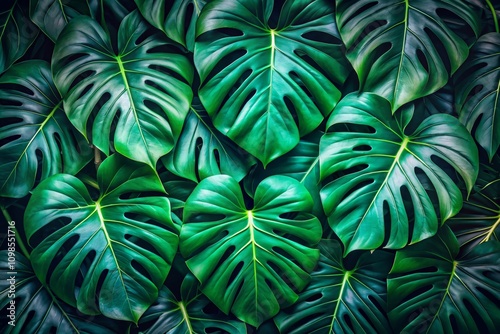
x,y
495,299
153,84
409,209
348,321
9,102
415,293
235,272
377,304
210,309
321,36
147,33
359,11
142,244
492,275
458,25
350,127
9,139
423,60
140,269
473,92
61,253
85,91
454,325
165,70
314,297
73,57
100,282
86,264
362,148
223,63
478,319
317,67
292,110
49,228
439,46
81,78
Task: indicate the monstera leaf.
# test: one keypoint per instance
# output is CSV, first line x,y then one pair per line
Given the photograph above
x,y
262,79
37,310
403,50
177,18
479,219
187,315
17,32
109,255
432,290
478,92
33,127
145,86
341,300
203,151
51,16
376,168
250,262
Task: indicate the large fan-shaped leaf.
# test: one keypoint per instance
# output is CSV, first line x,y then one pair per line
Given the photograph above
x,y
478,92
403,50
37,310
260,82
341,300
188,315
176,18
17,32
377,167
33,127
202,151
120,247
479,219
51,16
250,261
432,290
145,86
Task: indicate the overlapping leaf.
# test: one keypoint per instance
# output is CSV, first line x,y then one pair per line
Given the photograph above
x,y
341,300
33,127
403,50
478,92
376,167
250,262
109,255
144,86
432,290
261,79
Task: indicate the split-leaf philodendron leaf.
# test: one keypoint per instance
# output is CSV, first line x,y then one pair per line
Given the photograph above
x,y
260,80
374,163
33,126
250,262
403,50
341,300
145,86
109,255
433,290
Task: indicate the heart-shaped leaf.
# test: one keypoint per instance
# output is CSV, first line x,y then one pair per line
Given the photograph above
x,y
109,255
17,32
478,92
432,290
37,310
403,50
202,151
176,18
187,315
144,86
33,127
250,262
261,79
380,174
341,300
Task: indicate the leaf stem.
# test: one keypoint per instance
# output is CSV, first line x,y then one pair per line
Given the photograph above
x,y
19,240
494,14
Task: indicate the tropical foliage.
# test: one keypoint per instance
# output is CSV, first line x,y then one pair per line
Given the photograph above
x,y
250,166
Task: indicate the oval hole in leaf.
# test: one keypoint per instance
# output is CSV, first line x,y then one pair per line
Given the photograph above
x,y
139,268
417,292
321,36
438,44
314,297
61,253
210,309
9,139
223,63
423,60
17,87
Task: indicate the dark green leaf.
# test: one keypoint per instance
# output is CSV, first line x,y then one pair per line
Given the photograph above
x,y
375,163
341,300
432,290
250,262
478,92
34,127
188,314
403,50
266,84
203,151
120,246
145,86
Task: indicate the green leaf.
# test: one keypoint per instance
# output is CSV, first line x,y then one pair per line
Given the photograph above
x,y
187,314
34,126
37,310
17,32
403,50
376,168
120,246
341,300
202,151
432,290
264,86
250,262
176,18
145,87
479,219
478,92
51,16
